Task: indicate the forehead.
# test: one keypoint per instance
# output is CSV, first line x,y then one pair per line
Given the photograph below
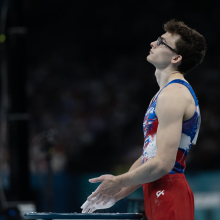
x,y
170,38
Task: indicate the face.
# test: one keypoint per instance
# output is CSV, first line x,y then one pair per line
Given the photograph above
x,y
161,56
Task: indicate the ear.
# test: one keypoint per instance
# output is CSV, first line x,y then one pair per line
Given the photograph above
x,y
177,59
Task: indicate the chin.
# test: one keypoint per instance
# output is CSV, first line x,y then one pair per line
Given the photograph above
x,y
148,58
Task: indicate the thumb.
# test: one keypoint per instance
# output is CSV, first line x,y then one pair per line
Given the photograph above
x,y
96,180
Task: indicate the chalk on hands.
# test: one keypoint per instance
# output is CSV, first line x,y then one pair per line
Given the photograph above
x,y
88,207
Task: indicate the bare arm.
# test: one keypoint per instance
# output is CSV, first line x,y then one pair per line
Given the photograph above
x,y
129,189
170,111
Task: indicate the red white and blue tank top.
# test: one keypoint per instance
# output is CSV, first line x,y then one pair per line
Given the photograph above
x,y
190,130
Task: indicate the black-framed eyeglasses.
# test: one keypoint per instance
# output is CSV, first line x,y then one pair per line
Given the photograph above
x,y
160,41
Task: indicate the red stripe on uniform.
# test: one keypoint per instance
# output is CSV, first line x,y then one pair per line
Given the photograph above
x,y
180,158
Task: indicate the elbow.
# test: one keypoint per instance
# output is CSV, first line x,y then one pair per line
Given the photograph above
x,y
166,168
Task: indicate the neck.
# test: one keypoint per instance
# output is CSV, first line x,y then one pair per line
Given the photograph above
x,y
163,77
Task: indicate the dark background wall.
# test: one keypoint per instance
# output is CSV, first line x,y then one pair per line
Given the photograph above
x,y
88,78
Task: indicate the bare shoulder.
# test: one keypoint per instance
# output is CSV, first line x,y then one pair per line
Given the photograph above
x,y
176,92
174,100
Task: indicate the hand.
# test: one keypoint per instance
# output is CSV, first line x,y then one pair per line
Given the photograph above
x,y
109,187
89,207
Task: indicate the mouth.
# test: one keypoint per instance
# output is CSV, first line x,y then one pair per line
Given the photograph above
x,y
151,51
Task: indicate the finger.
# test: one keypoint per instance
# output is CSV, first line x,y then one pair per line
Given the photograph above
x,y
106,200
96,180
84,204
101,199
86,209
97,198
94,194
92,210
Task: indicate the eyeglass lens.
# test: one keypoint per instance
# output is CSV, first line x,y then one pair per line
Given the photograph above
x,y
158,41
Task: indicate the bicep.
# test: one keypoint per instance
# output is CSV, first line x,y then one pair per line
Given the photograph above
x,y
170,116
167,141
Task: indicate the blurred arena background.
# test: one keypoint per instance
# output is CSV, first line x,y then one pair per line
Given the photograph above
x,y
75,86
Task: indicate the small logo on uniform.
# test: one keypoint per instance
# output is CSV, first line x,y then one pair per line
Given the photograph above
x,y
158,193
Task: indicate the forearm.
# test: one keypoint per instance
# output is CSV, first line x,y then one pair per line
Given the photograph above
x,y
129,189
125,192
150,171
136,164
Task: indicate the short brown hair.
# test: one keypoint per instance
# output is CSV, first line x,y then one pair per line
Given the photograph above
x,y
191,45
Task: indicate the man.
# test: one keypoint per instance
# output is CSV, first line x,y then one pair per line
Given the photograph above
x,y
171,127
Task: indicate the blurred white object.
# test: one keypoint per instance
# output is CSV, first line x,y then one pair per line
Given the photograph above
x,y
207,200
23,207
88,207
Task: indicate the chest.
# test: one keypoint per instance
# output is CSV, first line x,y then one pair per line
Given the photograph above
x,y
150,123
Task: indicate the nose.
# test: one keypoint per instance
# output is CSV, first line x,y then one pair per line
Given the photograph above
x,y
153,44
